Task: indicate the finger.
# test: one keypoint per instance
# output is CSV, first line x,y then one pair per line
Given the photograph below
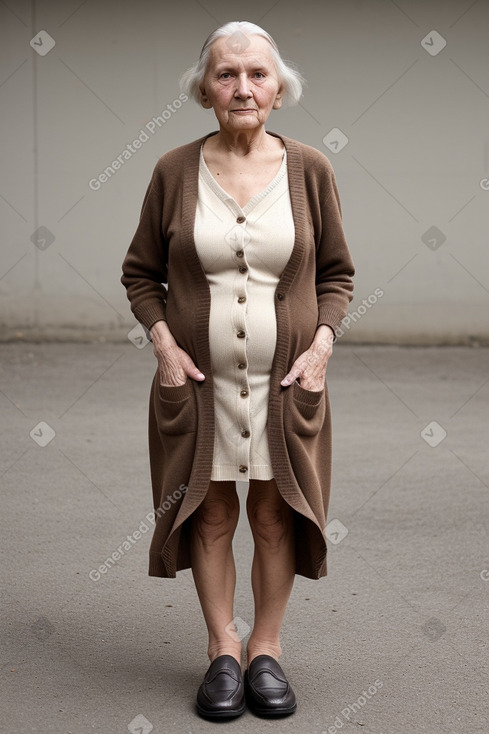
x,y
196,374
296,370
191,370
293,375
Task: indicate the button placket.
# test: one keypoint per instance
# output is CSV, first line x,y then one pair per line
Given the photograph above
x,y
240,240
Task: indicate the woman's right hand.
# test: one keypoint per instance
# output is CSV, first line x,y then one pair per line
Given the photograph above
x,y
174,363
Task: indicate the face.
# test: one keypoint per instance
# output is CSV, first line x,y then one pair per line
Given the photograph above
x,y
242,86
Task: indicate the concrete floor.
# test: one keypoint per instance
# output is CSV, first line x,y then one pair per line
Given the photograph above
x,y
393,641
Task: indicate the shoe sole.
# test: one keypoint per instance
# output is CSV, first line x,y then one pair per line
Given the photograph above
x,y
218,715
272,713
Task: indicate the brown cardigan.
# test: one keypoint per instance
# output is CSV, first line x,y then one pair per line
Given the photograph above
x,y
315,288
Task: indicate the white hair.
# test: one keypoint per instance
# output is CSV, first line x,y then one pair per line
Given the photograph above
x,y
290,78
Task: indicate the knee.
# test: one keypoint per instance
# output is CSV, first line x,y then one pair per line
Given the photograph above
x,y
269,521
215,518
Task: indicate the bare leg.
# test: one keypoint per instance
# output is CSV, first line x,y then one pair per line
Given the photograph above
x,y
213,569
273,569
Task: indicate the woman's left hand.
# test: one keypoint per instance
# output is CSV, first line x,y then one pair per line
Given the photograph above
x,y
311,365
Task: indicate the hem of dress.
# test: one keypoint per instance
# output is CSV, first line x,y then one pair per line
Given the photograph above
x,y
231,473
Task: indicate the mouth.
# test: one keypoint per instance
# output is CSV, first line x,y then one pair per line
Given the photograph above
x,y
244,109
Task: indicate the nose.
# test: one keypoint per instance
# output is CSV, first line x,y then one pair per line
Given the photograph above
x,y
242,87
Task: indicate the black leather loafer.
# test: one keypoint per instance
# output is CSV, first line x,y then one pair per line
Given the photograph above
x,y
268,692
221,693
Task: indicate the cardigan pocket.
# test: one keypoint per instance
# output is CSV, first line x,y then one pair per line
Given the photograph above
x,y
305,410
177,412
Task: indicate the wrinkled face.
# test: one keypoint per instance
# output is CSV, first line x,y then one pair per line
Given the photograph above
x,y
241,83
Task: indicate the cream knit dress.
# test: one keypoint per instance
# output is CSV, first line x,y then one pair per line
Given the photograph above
x,y
243,252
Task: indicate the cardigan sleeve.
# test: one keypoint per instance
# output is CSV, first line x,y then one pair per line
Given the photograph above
x,y
145,266
334,265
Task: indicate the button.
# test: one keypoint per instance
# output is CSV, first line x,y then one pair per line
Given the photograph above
x,y
245,434
243,468
244,393
243,269
241,299
280,296
241,334
242,366
240,253
240,219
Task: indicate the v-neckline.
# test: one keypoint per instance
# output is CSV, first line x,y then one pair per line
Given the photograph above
x,y
226,197
296,176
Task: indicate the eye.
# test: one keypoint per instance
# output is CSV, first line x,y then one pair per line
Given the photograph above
x,y
225,75
260,74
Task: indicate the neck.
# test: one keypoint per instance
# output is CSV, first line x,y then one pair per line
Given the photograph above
x,y
242,142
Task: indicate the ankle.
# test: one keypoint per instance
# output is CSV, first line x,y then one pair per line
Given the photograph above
x,y
224,648
263,647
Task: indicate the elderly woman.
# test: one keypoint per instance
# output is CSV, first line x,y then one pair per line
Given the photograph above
x,y
240,271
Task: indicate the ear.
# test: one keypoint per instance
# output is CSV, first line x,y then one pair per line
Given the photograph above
x,y
204,101
277,104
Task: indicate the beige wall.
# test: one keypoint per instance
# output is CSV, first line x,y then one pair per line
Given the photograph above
x,y
417,156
